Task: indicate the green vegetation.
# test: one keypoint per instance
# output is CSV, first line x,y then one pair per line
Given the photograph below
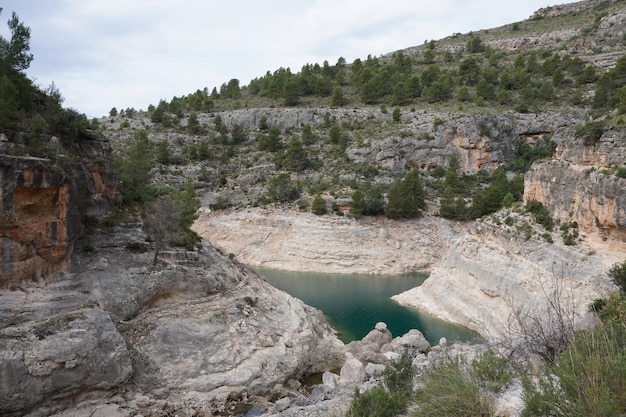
x,y
406,197
390,398
25,107
588,378
450,390
618,275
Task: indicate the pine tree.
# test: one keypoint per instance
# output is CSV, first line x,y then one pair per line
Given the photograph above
x,y
318,206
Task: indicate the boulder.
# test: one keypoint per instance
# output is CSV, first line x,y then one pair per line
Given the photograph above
x,y
352,371
412,341
43,361
369,348
330,381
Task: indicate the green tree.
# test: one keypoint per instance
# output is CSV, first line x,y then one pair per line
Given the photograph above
x,y
134,169
374,203
406,197
358,203
193,125
15,53
318,206
189,205
308,138
8,104
469,71
338,98
618,275
281,189
475,45
291,93
271,141
396,114
296,158
238,134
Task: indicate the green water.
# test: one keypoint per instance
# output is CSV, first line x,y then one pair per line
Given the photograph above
x,y
354,303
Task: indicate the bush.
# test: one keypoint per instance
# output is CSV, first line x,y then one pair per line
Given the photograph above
x,y
491,370
618,275
540,214
587,379
377,402
591,132
448,391
388,400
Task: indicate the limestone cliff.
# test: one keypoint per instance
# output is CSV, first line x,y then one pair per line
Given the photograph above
x,y
493,267
580,183
287,240
44,202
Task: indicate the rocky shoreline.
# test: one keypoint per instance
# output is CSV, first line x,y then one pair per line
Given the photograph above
x,y
478,269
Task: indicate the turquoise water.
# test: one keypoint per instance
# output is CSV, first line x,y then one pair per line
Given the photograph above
x,y
354,303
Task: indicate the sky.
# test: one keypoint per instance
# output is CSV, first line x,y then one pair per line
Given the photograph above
x,y
102,54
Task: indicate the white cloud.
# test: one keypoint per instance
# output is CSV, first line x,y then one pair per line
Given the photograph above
x,y
120,53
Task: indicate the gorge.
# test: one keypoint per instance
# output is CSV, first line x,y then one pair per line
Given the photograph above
x,y
102,316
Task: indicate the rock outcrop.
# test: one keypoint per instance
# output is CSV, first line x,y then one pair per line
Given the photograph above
x,y
44,202
493,269
198,326
580,183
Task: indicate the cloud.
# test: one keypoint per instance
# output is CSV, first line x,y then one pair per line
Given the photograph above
x,y
102,54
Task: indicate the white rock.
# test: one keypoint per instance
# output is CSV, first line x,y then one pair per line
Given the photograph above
x,y
352,371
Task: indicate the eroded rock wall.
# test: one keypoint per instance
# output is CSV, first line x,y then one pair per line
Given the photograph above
x,y
44,202
492,270
580,184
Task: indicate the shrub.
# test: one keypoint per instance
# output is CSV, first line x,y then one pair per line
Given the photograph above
x,y
491,370
591,132
136,247
587,379
377,402
540,214
618,275
388,400
448,390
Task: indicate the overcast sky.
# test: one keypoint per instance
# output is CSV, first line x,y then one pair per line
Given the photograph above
x,y
132,53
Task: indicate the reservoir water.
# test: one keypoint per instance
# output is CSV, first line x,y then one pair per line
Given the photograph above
x,y
354,303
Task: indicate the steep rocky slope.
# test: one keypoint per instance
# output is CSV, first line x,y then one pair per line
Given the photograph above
x,y
495,267
44,202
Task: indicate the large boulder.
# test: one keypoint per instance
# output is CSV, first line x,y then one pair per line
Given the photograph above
x,y
196,325
352,371
65,354
369,348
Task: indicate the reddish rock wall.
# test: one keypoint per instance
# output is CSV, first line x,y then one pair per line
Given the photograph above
x,y
43,207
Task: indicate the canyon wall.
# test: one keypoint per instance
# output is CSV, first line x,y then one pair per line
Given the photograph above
x,y
44,202
494,267
580,184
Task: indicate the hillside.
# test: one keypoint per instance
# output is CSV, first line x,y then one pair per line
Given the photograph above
x,y
493,98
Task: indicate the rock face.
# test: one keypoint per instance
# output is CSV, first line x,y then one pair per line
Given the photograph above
x,y
43,204
492,269
196,326
304,242
580,186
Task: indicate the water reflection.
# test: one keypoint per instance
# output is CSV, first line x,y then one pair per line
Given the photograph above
x,y
354,303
